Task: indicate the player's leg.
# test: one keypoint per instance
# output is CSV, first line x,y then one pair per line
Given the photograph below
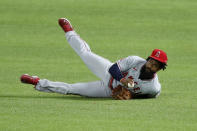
x,y
90,89
97,64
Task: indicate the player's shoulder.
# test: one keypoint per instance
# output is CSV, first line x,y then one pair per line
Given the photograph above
x,y
156,86
153,87
153,84
154,80
137,59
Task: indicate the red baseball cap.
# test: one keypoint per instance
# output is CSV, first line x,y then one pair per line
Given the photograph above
x,y
159,55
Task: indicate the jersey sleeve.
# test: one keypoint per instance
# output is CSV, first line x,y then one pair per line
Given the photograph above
x,y
147,89
115,72
126,63
150,90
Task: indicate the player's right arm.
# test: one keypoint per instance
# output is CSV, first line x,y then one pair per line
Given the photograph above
x,y
123,65
126,63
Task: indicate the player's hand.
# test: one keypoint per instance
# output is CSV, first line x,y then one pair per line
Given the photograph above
x,y
121,93
127,81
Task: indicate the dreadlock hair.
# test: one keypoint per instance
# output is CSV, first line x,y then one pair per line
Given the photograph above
x,y
161,65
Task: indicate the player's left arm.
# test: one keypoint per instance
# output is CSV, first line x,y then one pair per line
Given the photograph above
x,y
147,91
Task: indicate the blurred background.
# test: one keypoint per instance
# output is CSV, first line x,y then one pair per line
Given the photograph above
x,y
32,42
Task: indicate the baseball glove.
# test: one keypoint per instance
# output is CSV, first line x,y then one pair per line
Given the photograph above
x,y
121,93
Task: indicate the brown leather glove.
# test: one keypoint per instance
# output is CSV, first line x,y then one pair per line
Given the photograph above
x,y
121,93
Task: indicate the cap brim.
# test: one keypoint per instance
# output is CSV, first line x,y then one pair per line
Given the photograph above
x,y
156,58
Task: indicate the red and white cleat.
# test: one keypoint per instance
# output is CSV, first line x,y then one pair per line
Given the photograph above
x,y
65,24
29,79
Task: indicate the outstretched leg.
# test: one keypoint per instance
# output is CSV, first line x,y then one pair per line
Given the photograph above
x,y
90,89
97,64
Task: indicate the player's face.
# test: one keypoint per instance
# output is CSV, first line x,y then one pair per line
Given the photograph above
x,y
152,66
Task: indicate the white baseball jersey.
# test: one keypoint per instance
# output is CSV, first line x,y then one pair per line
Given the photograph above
x,y
131,67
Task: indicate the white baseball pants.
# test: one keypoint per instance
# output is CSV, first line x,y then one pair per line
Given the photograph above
x,y
97,64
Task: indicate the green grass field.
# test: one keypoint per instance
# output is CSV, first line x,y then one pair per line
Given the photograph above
x,y
32,42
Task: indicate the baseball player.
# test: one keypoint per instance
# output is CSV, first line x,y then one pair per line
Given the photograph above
x,y
128,78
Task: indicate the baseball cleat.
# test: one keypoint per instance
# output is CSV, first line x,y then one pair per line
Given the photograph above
x,y
65,24
29,79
